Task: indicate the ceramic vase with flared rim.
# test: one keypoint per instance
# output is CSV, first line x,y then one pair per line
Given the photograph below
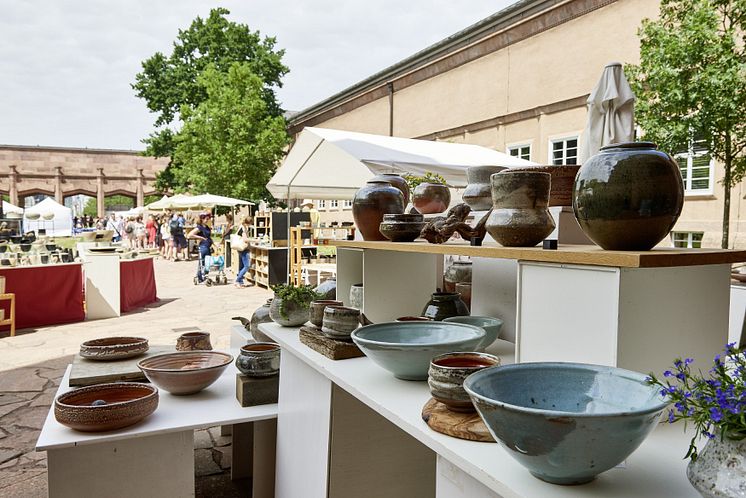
x,y
478,191
628,196
371,202
458,271
520,215
444,305
720,469
294,314
431,198
260,315
397,181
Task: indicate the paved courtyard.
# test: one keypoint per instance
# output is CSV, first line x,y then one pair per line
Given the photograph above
x,y
32,363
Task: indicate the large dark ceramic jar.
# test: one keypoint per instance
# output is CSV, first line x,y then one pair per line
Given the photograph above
x,y
444,305
396,181
372,201
628,196
431,198
477,193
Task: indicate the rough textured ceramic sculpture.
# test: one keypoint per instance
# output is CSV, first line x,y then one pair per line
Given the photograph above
x,y
441,228
720,469
259,359
458,271
478,191
113,348
520,217
194,341
185,372
443,305
371,202
402,227
396,181
431,198
447,373
628,196
563,179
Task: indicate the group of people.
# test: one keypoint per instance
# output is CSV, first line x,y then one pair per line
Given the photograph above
x,y
238,235
163,232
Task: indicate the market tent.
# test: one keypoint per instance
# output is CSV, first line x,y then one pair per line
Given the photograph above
x,y
334,164
209,201
60,225
10,208
166,203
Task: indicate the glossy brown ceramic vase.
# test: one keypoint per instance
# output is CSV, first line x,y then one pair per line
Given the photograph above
x,y
396,181
431,198
520,217
443,305
194,341
371,202
478,193
563,179
628,196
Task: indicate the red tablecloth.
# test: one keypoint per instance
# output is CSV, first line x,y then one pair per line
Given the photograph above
x,y
136,284
45,295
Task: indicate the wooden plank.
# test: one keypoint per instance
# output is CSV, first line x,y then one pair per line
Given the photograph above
x,y
565,254
467,426
331,348
89,372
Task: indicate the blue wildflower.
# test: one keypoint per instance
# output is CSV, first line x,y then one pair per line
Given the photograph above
x,y
668,373
716,415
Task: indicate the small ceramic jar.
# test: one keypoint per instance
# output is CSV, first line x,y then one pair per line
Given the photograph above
x,y
317,310
194,341
340,321
443,305
259,359
356,296
447,373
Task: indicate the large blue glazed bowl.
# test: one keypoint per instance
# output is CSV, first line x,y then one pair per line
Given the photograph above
x,y
406,348
490,325
565,422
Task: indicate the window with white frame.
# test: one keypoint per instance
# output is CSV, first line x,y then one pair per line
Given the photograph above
x,y
691,240
334,203
697,169
321,204
564,151
347,203
522,151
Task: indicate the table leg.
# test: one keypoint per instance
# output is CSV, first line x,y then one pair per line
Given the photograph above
x,y
161,465
242,442
265,440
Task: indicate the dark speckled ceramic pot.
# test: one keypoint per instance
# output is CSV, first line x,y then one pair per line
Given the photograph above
x,y
372,201
628,196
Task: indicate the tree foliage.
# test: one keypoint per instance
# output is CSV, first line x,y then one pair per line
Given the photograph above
x,y
230,143
691,83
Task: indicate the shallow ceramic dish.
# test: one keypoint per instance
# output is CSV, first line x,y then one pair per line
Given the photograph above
x,y
185,372
566,422
113,348
490,325
447,373
117,405
406,348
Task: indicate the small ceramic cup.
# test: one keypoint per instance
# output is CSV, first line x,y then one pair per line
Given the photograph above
x,y
259,359
194,341
340,321
317,309
447,373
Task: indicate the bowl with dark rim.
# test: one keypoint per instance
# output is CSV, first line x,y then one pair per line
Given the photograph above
x,y
105,407
186,372
566,422
447,373
113,348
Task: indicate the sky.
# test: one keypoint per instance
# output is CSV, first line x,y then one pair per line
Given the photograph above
x,y
66,66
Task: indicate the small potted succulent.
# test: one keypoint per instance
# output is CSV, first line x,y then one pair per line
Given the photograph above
x,y
715,402
291,305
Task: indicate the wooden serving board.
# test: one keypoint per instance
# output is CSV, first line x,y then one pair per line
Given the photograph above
x,y
460,425
333,349
90,372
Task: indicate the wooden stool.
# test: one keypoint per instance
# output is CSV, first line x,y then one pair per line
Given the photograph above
x,y
12,320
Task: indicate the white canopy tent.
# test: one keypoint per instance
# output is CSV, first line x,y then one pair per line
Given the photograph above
x,y
165,202
334,164
207,201
60,225
10,208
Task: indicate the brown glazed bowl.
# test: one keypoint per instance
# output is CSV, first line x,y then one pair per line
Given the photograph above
x,y
185,372
563,179
318,307
125,403
113,348
194,341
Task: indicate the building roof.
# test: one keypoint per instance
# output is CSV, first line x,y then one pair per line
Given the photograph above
x,y
47,148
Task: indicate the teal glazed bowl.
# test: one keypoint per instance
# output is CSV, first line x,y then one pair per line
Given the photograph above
x,y
490,325
406,348
565,422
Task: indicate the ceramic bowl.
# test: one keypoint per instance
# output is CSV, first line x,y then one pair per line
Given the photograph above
x,y
447,373
259,359
317,310
490,325
566,422
194,341
401,231
340,321
124,404
413,319
185,372
113,348
406,348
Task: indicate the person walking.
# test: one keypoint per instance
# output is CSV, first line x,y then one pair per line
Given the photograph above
x,y
151,230
240,242
203,234
168,243
178,241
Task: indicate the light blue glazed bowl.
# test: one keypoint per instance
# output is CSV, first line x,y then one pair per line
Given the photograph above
x,y
565,422
406,348
490,325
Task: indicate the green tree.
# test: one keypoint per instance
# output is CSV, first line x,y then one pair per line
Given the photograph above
x,y
230,143
169,83
691,82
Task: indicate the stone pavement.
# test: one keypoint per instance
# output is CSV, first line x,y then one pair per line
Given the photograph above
x,y
33,362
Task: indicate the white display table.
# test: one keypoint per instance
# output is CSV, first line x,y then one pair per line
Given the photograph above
x,y
156,456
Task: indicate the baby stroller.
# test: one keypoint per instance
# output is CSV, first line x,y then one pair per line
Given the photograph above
x,y
215,264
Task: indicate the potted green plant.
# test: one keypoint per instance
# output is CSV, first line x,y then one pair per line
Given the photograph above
x,y
291,304
715,402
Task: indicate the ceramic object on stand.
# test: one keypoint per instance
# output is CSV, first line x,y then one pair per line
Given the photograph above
x,y
186,372
491,326
113,348
340,321
356,296
478,191
563,179
290,314
720,469
317,310
371,202
628,196
260,315
447,373
431,198
396,181
194,341
327,289
402,227
443,305
458,271
566,422
259,359
520,217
